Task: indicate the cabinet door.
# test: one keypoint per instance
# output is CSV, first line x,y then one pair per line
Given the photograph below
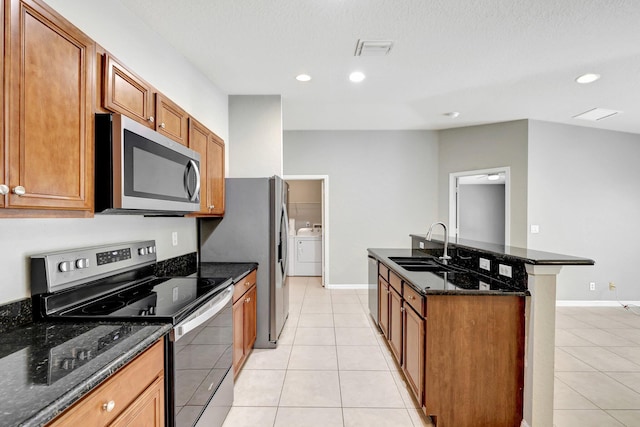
x,y
126,93
413,364
147,410
238,334
50,110
215,173
383,310
395,324
250,316
199,141
171,120
4,183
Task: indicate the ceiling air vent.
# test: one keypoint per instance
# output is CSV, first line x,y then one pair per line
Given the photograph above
x,y
597,114
373,47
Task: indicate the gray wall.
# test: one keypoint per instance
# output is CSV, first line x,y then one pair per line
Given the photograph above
x,y
382,187
583,193
485,147
119,31
481,212
255,136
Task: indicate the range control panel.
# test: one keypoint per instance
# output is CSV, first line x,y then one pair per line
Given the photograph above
x,y
59,270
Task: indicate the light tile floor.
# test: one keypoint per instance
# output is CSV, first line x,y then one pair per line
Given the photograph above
x,y
330,368
597,371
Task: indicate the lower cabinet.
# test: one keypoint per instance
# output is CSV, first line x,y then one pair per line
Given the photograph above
x,y
244,319
462,355
133,396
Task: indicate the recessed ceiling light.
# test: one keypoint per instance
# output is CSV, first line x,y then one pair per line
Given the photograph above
x,y
587,78
493,177
303,77
356,77
452,114
596,114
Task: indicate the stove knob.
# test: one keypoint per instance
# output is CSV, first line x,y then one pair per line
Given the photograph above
x,y
152,310
82,263
68,364
66,266
151,249
142,251
143,312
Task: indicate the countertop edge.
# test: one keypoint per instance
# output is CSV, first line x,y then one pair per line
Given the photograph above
x,y
73,395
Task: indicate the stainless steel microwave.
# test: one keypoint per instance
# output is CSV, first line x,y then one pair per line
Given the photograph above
x,y
139,171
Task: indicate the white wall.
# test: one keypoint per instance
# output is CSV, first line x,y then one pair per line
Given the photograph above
x,y
485,147
255,136
120,32
583,193
383,187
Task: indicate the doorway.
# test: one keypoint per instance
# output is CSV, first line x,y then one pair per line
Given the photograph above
x,y
308,211
479,205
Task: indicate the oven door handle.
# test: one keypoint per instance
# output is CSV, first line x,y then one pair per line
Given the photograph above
x,y
216,306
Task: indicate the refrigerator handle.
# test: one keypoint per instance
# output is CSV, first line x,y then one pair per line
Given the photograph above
x,y
283,247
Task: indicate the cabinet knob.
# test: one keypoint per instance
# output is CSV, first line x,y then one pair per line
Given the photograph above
x,y
162,125
247,283
19,190
401,308
211,207
151,119
412,297
247,300
4,190
109,406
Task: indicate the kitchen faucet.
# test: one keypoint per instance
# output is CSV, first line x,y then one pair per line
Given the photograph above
x,y
445,257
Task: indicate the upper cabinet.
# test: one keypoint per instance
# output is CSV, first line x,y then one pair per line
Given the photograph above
x,y
171,120
126,93
211,150
4,186
48,145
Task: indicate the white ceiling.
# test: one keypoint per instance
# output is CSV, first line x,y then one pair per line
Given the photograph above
x,y
491,60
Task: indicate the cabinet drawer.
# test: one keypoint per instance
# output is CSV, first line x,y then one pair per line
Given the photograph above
x,y
122,388
383,271
414,299
244,284
395,282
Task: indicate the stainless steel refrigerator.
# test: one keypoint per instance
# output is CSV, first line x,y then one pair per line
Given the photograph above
x,y
255,229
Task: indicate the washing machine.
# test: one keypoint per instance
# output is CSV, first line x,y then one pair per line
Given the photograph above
x,y
308,252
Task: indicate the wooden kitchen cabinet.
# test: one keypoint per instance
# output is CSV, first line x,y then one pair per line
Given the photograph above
x,y
171,120
244,319
48,99
126,93
133,396
211,150
396,324
383,306
413,351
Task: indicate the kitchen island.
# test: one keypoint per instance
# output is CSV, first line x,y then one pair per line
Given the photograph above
x,y
474,338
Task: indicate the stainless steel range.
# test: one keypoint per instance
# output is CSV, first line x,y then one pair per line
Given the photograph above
x,y
116,283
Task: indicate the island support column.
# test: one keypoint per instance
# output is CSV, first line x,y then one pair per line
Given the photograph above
x,y
540,330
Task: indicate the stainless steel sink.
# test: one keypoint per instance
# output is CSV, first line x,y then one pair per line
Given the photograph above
x,y
419,264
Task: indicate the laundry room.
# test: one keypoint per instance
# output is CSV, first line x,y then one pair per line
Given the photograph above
x,y
305,210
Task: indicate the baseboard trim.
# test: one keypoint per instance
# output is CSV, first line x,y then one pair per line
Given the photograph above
x,y
572,303
346,286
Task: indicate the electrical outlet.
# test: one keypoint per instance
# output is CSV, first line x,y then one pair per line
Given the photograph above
x,y
592,286
421,244
484,286
612,286
485,264
504,270
535,229
174,238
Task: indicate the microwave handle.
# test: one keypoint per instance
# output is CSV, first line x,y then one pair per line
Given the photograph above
x,y
196,191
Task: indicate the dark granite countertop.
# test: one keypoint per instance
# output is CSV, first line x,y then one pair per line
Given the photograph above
x,y
528,256
46,367
235,270
432,284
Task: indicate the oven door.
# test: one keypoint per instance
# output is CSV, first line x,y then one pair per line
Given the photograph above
x,y
200,358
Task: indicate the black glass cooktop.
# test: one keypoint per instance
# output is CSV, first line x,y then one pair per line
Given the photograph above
x,y
156,299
